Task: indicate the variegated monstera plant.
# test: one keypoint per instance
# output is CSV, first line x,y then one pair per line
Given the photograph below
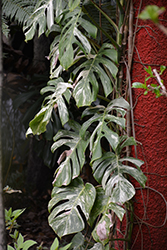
x,y
86,92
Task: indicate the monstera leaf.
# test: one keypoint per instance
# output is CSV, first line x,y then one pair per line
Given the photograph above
x,y
109,170
43,17
55,70
102,117
60,91
77,242
102,206
91,72
75,157
71,35
65,217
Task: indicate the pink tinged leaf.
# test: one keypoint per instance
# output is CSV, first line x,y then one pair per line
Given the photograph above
x,y
65,154
56,59
55,106
101,231
110,217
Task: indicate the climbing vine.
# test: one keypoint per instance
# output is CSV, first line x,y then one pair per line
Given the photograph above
x,y
88,98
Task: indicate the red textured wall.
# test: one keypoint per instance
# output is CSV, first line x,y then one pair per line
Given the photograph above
x,y
150,115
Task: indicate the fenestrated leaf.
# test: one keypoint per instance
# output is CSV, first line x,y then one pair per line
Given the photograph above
x,y
75,158
100,165
135,161
124,142
102,205
135,173
86,88
102,118
71,35
120,189
42,17
65,218
118,103
109,171
59,89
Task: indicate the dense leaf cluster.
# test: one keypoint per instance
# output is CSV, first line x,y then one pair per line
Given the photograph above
x,y
92,86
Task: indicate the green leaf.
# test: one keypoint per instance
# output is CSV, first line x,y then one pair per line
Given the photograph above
x,y
151,12
43,17
135,173
124,142
65,217
74,157
92,70
50,14
119,188
10,248
65,247
98,246
162,68
20,241
109,171
55,244
139,85
60,91
29,34
102,118
102,205
117,209
73,4
71,35
17,10
77,242
99,132
38,124
28,243
149,71
135,161
16,213
102,229
118,103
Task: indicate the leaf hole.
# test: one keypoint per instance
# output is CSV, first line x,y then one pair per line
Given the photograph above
x,y
81,213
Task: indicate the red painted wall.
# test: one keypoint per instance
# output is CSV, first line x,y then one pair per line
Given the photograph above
x,y
150,116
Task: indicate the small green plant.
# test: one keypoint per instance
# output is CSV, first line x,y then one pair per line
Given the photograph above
x,y
10,218
157,88
55,245
11,223
19,242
